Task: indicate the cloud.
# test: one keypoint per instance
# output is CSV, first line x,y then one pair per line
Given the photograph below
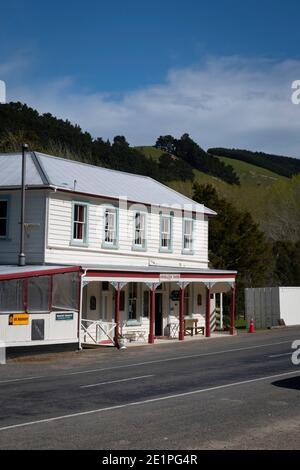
x,y
12,67
228,101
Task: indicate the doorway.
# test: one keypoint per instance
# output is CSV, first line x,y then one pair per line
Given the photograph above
x,y
104,309
158,314
92,297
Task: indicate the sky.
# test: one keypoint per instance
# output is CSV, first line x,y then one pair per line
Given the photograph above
x,y
219,70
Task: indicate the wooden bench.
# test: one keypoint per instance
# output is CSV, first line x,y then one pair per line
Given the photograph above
x,y
135,335
191,327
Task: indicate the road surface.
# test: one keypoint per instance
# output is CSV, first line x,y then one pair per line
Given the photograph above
x,y
229,393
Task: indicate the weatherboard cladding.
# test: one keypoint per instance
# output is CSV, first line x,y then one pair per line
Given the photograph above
x,y
69,175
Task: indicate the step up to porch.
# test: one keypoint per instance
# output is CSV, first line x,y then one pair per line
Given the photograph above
x,y
105,343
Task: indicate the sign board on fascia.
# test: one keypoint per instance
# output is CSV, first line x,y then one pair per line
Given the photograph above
x,y
169,277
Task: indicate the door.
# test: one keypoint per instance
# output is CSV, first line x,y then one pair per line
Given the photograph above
x,y
158,315
105,304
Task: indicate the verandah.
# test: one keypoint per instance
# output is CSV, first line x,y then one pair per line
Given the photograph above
x,y
152,286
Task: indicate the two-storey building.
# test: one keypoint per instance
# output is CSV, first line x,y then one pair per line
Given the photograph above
x,y
108,254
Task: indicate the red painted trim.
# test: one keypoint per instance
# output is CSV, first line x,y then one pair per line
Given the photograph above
x,y
117,314
181,315
79,305
209,275
207,316
118,274
46,272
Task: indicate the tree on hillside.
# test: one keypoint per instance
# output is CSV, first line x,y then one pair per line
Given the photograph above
x,y
173,168
287,263
189,151
45,133
235,242
167,143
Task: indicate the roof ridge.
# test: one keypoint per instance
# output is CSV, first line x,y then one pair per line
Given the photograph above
x,y
70,160
125,173
49,171
40,168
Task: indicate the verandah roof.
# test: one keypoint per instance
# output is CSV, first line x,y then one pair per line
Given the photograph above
x,y
20,272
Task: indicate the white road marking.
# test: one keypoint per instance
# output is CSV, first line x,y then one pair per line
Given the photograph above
x,y
156,361
281,355
23,378
117,381
145,402
175,358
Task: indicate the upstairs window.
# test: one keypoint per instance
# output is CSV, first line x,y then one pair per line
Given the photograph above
x,y
187,234
166,233
110,227
3,218
139,230
79,222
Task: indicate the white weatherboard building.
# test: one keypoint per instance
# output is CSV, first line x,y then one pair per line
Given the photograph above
x,y
109,255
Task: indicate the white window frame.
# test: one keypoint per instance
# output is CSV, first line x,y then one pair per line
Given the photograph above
x,y
187,236
139,233
166,235
75,223
7,200
110,233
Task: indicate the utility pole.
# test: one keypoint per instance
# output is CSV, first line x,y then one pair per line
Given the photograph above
x,y
22,259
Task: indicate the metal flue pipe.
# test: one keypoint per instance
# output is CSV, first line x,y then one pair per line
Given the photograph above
x,y
22,258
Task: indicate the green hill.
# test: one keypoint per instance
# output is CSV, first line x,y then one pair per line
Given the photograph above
x,y
282,165
255,182
150,152
272,200
251,174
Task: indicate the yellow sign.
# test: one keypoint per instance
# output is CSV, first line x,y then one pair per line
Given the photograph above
x,y
18,319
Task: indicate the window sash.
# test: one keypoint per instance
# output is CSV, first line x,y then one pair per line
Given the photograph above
x,y
166,232
187,234
139,229
110,226
79,222
3,218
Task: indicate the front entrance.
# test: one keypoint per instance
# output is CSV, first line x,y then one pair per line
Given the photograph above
x,y
105,303
158,314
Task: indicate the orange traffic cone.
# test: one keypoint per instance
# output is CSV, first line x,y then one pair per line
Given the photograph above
x,y
251,328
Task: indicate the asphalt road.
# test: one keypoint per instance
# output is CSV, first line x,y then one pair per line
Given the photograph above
x,y
230,393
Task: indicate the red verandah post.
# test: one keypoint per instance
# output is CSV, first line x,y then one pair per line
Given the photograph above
x,y
181,314
232,321
117,314
207,317
152,316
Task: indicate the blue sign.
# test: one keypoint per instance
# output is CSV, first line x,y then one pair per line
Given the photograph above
x,y
64,316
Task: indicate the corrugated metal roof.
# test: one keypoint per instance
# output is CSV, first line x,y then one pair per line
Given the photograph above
x,y
11,271
11,171
47,170
157,269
